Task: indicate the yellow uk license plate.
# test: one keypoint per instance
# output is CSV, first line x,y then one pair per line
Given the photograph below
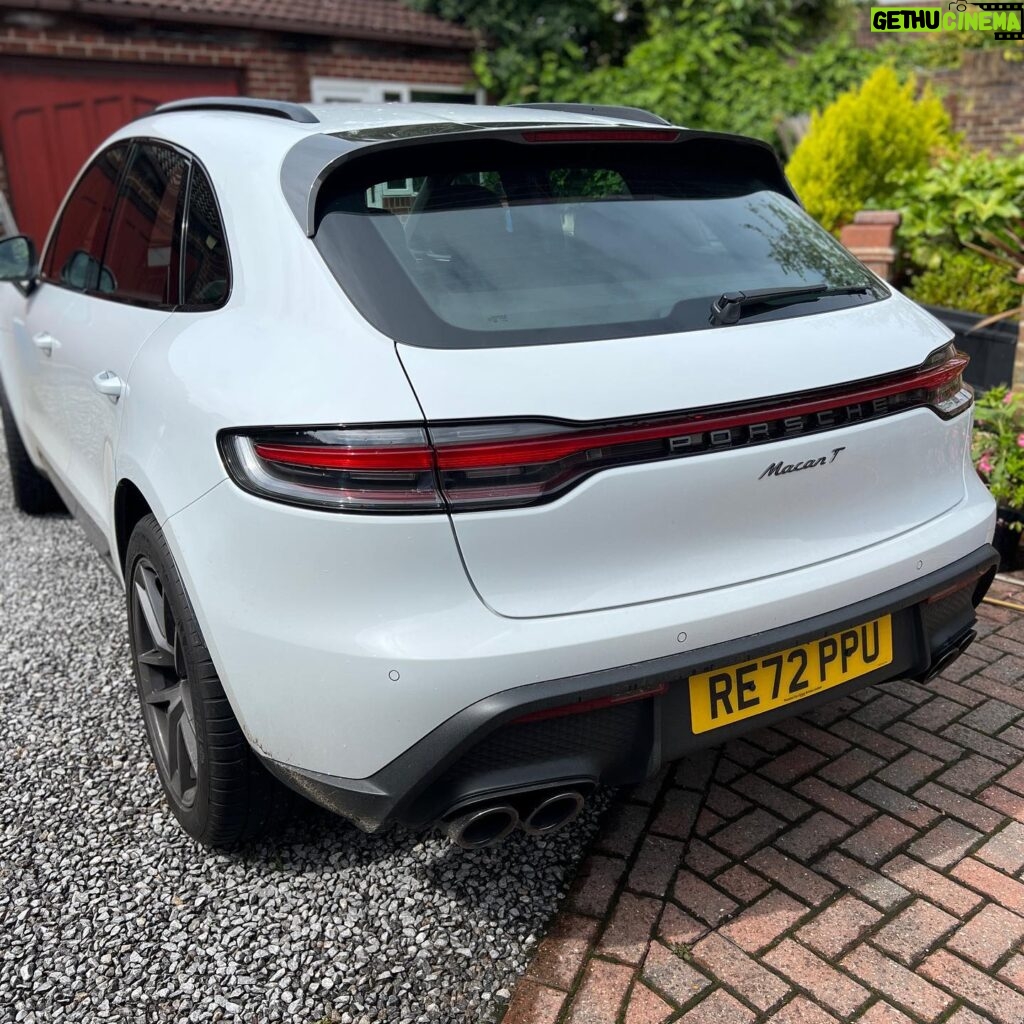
x,y
748,688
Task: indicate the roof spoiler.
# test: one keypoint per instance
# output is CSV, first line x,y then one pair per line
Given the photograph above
x,y
243,105
598,110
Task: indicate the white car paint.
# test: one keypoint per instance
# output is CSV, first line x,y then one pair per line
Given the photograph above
x,y
343,640
306,654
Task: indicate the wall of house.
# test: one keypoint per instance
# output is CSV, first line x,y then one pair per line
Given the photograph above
x,y
268,64
271,64
985,95
986,98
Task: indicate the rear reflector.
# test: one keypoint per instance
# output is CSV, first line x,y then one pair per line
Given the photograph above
x,y
953,588
477,466
583,706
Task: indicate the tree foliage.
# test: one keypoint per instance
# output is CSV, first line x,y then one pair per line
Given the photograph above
x,y
528,42
733,65
736,65
604,50
962,232
959,201
860,149
966,280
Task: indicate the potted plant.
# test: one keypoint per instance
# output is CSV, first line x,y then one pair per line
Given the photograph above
x,y
998,452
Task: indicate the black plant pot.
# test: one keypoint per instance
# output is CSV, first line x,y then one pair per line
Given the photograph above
x,y
1007,538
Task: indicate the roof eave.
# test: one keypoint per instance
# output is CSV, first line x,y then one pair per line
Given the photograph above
x,y
466,42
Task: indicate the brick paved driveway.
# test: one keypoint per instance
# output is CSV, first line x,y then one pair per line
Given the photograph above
x,y
862,863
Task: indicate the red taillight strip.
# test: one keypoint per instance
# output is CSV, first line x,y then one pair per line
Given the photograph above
x,y
479,466
316,457
488,454
601,135
583,706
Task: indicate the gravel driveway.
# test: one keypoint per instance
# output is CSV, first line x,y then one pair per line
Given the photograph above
x,y
109,912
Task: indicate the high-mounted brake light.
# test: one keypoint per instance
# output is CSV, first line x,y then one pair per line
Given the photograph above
x,y
476,466
601,135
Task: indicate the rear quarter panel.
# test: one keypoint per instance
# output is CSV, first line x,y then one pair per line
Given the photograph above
x,y
287,349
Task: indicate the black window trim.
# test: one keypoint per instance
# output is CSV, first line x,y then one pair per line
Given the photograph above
x,y
191,161
207,307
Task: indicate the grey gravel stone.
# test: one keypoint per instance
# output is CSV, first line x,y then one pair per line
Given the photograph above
x,y
109,912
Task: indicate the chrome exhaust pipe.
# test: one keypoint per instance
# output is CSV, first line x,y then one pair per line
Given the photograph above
x,y
482,827
553,813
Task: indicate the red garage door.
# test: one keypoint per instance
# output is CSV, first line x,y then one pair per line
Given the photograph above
x,y
54,114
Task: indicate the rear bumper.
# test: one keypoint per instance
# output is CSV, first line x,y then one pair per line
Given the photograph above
x,y
343,641
483,752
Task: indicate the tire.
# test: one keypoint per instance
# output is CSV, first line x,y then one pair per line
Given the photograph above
x,y
215,785
33,493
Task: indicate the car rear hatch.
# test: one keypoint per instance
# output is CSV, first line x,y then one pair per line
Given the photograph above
x,y
645,371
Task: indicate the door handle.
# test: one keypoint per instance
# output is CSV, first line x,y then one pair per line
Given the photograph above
x,y
45,342
106,382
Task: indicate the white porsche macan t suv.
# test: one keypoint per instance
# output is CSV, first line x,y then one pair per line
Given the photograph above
x,y
458,460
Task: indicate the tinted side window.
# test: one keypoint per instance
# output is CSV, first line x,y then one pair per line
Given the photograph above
x,y
76,249
207,268
143,254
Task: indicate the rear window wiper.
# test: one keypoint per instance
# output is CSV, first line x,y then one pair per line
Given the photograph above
x,y
732,306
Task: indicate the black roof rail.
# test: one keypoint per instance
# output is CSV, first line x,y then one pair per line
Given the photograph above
x,y
599,110
244,105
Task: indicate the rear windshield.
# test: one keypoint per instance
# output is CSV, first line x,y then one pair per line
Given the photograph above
x,y
497,244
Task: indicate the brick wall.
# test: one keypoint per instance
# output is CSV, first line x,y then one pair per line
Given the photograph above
x,y
985,95
986,98
270,64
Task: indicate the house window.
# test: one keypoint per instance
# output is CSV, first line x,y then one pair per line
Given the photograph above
x,y
352,90
395,195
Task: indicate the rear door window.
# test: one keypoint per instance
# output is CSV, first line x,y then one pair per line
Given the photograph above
x,y
75,254
143,253
489,244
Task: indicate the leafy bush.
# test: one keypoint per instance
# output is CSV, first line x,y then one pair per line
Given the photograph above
x,y
859,148
998,446
959,201
730,65
735,65
539,50
518,36
774,85
967,280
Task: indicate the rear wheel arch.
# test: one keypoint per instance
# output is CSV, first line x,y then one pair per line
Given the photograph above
x,y
130,505
215,785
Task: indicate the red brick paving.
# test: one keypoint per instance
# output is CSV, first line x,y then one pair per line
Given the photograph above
x,y
864,863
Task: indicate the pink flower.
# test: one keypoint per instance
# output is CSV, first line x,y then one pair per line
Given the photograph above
x,y
1020,440
984,465
1008,398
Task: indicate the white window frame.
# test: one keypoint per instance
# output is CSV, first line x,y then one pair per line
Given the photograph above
x,y
363,90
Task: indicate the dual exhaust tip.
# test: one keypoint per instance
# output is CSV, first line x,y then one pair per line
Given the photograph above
x,y
489,824
947,654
